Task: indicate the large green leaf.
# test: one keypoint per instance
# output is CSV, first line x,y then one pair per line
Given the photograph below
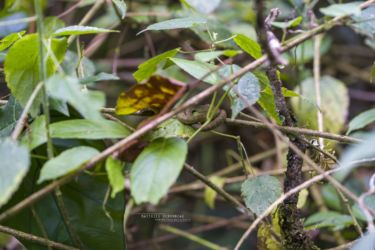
x,y
342,9
87,129
198,69
156,169
13,167
353,156
68,89
329,219
116,177
9,116
366,242
361,120
178,23
146,69
80,30
66,162
22,67
334,104
248,45
260,192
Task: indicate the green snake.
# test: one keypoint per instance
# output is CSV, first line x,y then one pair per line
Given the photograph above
x,y
197,115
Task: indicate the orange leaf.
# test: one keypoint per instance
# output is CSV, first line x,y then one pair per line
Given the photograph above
x,y
157,93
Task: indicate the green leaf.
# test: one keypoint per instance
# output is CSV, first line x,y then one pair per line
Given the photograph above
x,y
121,7
260,192
331,197
248,87
211,55
333,220
13,167
9,116
210,194
22,67
178,23
66,162
248,45
51,24
366,242
87,102
334,104
369,201
115,175
156,169
80,30
335,10
171,128
361,120
365,22
71,61
36,134
102,76
353,155
146,69
87,129
198,69
204,7
290,24
7,41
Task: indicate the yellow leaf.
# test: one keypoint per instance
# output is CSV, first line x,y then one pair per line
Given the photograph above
x,y
158,92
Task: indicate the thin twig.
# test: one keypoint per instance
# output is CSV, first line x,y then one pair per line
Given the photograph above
x,y
23,118
36,239
219,190
297,130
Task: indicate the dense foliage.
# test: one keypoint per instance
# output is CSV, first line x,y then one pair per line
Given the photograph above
x,y
218,124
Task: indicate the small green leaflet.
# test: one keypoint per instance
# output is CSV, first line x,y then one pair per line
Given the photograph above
x,y
156,169
178,23
102,76
13,167
211,55
290,24
115,175
121,7
333,220
210,194
260,192
80,30
247,88
197,69
67,162
36,134
248,45
7,41
146,69
361,120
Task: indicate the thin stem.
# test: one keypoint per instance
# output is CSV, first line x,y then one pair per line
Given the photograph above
x,y
297,131
219,190
191,237
36,239
317,43
128,209
23,118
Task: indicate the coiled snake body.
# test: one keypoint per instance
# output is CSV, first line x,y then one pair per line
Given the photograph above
x,y
197,116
